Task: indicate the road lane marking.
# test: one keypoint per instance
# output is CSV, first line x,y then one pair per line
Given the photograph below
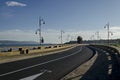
x,y
41,63
110,69
33,77
109,58
107,54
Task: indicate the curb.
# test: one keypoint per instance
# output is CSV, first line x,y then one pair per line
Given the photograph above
x,y
77,73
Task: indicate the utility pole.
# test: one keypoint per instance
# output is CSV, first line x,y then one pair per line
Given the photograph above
x,y
41,21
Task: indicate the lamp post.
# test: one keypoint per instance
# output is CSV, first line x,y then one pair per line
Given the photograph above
x,y
98,37
41,21
109,32
68,36
97,34
61,36
107,27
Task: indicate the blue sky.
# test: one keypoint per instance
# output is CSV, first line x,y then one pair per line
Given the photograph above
x,y
75,17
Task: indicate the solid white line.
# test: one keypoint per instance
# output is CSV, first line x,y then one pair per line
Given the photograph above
x,y
41,63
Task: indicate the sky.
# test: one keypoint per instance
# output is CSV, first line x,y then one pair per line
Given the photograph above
x,y
19,19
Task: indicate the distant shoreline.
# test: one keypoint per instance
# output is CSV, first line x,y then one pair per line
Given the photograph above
x,y
6,47
17,45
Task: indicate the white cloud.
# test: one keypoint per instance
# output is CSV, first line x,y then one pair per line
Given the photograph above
x,y
19,35
14,3
52,35
115,28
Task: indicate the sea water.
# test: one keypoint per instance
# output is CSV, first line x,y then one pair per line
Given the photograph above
x,y
6,47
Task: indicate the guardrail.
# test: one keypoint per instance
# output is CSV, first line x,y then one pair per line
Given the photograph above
x,y
110,49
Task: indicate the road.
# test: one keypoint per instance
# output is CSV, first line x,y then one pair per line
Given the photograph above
x,y
105,67
50,67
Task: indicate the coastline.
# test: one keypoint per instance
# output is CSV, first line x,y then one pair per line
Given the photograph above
x,y
15,55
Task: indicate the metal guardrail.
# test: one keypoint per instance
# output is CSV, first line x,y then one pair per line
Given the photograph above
x,y
110,49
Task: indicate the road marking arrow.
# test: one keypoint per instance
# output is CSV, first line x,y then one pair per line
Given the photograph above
x,y
36,75
32,77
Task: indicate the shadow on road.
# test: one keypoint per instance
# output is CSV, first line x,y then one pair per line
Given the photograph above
x,y
104,68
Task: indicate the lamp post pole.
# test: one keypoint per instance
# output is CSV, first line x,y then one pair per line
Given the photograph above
x,y
40,29
62,35
108,30
41,21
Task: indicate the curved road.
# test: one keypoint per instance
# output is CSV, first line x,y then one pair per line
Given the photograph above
x,y
50,67
105,67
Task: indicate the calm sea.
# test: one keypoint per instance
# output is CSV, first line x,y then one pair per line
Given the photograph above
x,y
5,47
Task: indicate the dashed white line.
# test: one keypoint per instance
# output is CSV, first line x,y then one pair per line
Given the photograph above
x,y
109,58
110,69
107,54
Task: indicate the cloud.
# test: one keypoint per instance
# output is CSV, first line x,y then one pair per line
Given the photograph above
x,y
52,35
115,28
18,35
14,3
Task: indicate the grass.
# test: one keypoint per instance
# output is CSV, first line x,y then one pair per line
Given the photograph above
x,y
116,45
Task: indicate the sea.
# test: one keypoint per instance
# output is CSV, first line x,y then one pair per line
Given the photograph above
x,y
6,47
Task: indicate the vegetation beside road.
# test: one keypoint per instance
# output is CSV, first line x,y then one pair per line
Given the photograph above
x,y
116,45
33,50
15,55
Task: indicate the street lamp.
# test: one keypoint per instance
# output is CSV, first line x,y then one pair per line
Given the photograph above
x,y
41,21
61,35
68,36
107,26
97,34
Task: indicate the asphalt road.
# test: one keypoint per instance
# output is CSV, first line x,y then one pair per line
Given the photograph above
x,y
50,67
105,67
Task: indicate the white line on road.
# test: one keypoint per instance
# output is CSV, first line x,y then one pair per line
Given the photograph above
x,y
110,69
41,63
32,77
